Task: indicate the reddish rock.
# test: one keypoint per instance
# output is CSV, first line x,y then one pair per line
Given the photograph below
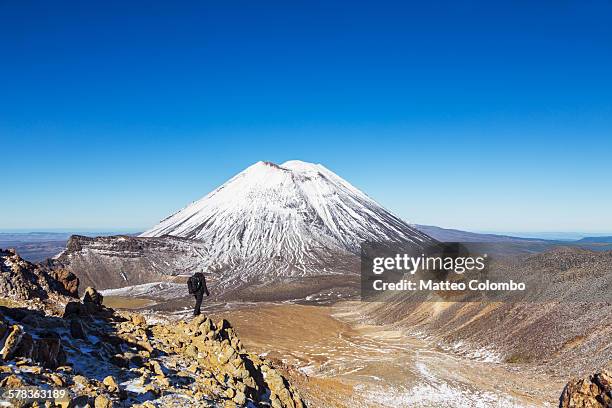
x,y
68,280
592,392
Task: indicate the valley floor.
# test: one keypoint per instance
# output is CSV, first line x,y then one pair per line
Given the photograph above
x,y
336,361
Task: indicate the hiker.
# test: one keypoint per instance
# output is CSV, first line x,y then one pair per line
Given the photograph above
x,y
197,287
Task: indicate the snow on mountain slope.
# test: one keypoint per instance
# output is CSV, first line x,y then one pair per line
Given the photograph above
x,y
290,220
269,223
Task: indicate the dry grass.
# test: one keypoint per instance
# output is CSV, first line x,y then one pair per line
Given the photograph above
x,y
518,358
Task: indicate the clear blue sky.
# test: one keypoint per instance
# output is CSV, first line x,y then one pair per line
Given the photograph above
x,y
475,114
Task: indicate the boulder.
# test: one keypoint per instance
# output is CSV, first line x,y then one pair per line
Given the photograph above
x,y
120,361
81,381
23,280
12,342
80,402
76,329
240,398
68,281
594,391
92,296
139,320
111,383
57,380
26,348
12,381
45,349
4,327
207,326
49,351
74,309
156,367
197,321
102,402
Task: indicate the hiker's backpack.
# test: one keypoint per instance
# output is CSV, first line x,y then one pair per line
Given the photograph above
x,y
194,283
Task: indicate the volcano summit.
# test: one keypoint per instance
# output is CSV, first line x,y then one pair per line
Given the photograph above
x,y
268,222
293,211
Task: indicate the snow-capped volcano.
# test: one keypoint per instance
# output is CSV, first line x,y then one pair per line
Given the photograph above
x,y
269,223
291,216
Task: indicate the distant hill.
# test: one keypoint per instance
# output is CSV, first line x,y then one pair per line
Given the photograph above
x,y
507,245
38,246
595,240
453,235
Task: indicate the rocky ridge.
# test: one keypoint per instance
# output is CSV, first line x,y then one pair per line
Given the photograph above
x,y
119,261
20,279
105,358
594,391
